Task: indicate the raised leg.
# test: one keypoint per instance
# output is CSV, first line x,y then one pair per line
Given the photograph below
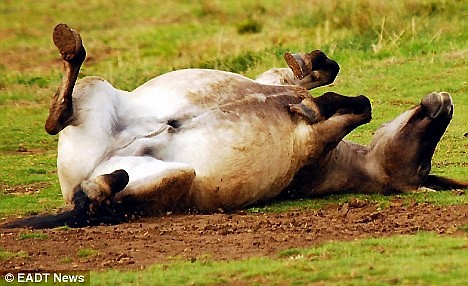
x,y
280,76
315,67
332,104
73,54
335,115
307,109
403,148
309,70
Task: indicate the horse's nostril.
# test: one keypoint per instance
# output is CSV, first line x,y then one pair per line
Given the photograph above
x,y
437,103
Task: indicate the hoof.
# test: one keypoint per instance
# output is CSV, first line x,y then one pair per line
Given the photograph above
x,y
69,43
104,187
299,63
303,65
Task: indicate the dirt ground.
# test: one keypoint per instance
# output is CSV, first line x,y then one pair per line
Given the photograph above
x,y
221,236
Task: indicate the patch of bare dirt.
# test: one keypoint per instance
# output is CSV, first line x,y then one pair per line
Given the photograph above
x,y
24,189
239,235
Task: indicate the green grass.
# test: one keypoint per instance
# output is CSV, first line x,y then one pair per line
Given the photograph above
x,y
63,228
422,259
5,254
393,51
66,259
32,235
86,252
438,198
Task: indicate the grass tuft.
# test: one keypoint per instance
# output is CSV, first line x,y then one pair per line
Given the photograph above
x,y
7,255
66,259
463,228
249,26
32,235
86,252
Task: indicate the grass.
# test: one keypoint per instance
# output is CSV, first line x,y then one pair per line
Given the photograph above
x,y
66,259
86,252
388,261
63,228
5,254
32,235
438,198
393,51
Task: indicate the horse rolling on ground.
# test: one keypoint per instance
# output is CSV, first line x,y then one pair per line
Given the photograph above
x,y
210,140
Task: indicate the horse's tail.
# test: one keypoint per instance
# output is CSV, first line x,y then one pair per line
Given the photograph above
x,y
72,218
442,183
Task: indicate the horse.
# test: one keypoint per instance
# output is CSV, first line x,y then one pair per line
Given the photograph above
x,y
211,140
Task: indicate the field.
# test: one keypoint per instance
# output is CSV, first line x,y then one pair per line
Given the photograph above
x,y
394,52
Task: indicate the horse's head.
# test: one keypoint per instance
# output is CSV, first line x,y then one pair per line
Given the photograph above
x,y
403,148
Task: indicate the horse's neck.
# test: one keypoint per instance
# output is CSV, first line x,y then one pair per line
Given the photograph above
x,y
346,168
353,167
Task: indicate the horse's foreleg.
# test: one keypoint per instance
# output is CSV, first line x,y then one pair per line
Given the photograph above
x,y
153,185
73,54
279,76
309,70
330,104
308,110
314,69
336,115
101,188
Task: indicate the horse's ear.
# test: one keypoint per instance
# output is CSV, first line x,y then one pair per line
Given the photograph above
x,y
440,183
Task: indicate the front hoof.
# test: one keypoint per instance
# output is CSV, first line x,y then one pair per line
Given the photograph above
x,y
303,64
299,63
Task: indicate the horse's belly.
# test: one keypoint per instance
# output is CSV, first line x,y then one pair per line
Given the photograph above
x,y
237,162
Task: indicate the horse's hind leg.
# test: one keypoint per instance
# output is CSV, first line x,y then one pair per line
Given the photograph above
x,y
73,54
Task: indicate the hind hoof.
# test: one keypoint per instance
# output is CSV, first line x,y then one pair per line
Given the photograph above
x,y
69,43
